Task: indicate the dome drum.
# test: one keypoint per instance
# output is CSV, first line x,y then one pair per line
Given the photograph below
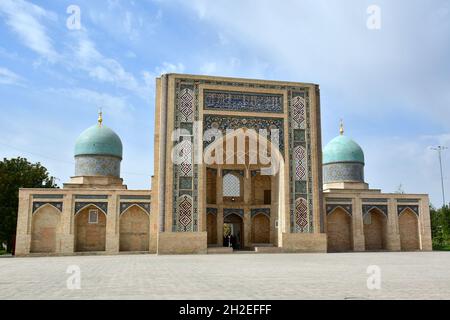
x,y
97,165
343,172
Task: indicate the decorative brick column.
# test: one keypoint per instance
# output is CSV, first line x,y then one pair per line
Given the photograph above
x,y
112,225
358,226
67,236
392,232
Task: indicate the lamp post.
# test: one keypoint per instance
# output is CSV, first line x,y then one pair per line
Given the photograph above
x,y
439,149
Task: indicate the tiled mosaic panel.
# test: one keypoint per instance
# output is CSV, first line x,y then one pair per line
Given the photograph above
x,y
97,166
234,122
343,172
186,104
242,101
298,112
185,214
185,174
301,215
300,164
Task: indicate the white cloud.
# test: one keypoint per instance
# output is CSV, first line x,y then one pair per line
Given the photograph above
x,y
23,18
168,67
85,56
115,106
9,77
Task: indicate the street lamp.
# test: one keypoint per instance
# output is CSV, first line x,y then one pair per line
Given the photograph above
x,y
439,149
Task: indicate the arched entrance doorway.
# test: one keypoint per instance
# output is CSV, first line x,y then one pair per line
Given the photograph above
x,y
90,230
44,228
134,230
233,231
260,229
252,175
409,231
375,224
339,231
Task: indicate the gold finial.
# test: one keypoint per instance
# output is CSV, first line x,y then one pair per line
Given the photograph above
x,y
341,129
100,117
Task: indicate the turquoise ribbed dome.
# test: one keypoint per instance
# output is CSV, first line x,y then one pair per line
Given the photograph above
x,y
342,149
99,140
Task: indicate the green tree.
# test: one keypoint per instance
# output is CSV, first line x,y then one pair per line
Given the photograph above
x,y
440,227
15,174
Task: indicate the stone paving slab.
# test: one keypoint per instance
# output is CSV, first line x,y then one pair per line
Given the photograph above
x,y
237,276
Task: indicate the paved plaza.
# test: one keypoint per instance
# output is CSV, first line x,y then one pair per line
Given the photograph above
x,y
239,276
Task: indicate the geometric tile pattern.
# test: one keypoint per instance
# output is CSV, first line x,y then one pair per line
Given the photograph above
x,y
301,215
298,112
186,105
301,199
185,214
300,163
185,165
185,173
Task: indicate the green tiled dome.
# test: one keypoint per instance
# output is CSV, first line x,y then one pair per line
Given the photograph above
x,y
342,149
99,140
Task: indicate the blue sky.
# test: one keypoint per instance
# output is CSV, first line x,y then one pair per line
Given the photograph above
x,y
391,86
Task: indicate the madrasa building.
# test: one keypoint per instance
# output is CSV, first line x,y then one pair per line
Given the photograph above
x,y
238,165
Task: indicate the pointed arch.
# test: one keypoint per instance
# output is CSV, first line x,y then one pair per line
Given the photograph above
x,y
134,229
87,205
134,205
260,228
339,230
339,207
375,229
90,237
408,223
45,226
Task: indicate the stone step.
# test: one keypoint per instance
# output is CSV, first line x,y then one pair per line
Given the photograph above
x,y
219,250
267,249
